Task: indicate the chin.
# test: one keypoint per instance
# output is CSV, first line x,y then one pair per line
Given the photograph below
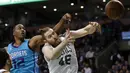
x,y
51,43
58,42
55,44
22,38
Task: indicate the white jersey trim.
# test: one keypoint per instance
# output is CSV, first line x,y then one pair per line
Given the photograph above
x,y
2,70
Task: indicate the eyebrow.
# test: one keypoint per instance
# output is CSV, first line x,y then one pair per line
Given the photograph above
x,y
21,27
50,33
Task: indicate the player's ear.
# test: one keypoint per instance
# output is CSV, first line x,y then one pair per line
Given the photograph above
x,y
8,61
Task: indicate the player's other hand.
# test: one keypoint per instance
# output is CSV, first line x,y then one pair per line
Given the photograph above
x,y
99,29
68,37
95,27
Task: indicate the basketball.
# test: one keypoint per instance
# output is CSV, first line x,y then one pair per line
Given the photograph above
x,y
114,9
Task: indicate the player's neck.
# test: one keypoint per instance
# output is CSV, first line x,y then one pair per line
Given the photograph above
x,y
18,41
56,44
6,67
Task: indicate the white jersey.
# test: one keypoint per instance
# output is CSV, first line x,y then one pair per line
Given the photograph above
x,y
2,70
66,62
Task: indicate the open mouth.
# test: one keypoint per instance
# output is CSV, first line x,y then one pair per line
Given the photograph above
x,y
23,33
56,39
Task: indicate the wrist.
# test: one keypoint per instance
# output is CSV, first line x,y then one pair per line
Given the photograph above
x,y
65,41
63,19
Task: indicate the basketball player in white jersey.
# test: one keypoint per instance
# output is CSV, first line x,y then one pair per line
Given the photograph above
x,y
5,61
59,52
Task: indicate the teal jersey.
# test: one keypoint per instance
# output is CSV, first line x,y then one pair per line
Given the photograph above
x,y
24,60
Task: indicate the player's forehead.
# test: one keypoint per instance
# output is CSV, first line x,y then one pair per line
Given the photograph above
x,y
49,32
19,26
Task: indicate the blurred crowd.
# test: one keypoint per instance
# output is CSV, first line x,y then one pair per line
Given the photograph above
x,y
120,65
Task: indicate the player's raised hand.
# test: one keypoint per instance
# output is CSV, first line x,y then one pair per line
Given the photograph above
x,y
67,17
68,37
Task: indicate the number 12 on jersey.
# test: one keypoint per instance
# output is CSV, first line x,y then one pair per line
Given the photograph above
x,y
65,60
18,63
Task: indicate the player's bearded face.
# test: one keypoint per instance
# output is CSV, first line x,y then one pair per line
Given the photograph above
x,y
52,38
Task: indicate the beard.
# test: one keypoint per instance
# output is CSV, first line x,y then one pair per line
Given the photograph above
x,y
56,43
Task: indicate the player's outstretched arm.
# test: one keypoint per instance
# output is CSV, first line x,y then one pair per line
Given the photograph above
x,y
60,25
37,40
89,29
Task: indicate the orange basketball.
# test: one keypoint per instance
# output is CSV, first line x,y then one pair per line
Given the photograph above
x,y
114,9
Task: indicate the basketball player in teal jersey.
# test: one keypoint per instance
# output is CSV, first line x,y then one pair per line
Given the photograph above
x,y
59,52
24,52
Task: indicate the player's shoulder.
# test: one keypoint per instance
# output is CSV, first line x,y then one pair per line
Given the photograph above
x,y
10,44
9,48
47,45
6,72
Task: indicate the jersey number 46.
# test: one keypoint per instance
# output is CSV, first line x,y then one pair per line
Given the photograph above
x,y
65,60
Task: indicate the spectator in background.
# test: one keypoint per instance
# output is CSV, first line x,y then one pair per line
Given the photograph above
x,y
117,72
121,71
126,64
115,57
122,59
90,56
86,69
118,65
90,53
109,71
114,69
97,50
127,71
124,68
5,61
